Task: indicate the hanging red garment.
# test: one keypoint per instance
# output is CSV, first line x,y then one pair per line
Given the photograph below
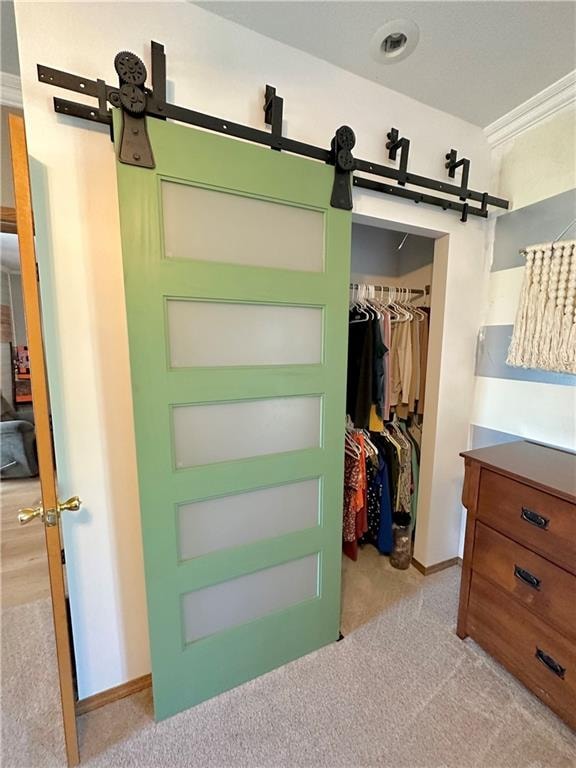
x,y
362,513
355,522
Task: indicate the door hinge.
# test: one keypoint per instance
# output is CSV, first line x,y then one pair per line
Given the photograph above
x,y
63,556
37,272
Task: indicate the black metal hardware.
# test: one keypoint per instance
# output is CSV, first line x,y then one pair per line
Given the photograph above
x,y
396,142
527,577
535,519
340,637
550,663
273,108
452,163
418,197
343,160
426,183
135,147
83,111
138,102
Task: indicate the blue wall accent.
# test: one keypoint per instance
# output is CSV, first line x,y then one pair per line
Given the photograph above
x,y
538,223
491,353
481,437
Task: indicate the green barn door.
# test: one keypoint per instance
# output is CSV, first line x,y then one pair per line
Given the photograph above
x,y
236,275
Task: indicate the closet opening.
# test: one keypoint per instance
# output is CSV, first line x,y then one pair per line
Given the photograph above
x,y
391,286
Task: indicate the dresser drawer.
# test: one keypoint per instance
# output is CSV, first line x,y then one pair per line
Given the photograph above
x,y
543,659
535,519
545,588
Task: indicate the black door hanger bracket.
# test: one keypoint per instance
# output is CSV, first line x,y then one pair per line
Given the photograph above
x,y
138,102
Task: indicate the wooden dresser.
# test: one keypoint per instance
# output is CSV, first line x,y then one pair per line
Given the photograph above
x,y
518,591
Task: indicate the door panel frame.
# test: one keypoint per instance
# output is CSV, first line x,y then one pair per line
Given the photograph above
x,y
149,279
41,406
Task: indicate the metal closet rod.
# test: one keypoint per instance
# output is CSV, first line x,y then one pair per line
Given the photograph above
x,y
141,101
414,291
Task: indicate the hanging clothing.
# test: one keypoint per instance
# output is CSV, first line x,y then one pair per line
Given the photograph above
x,y
378,351
355,511
404,501
374,499
385,541
386,323
405,358
401,352
388,348
351,485
360,369
424,331
415,377
415,458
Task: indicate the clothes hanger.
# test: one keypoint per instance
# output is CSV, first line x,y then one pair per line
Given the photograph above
x,y
373,302
388,306
417,311
405,316
386,434
368,441
366,302
392,302
351,451
358,307
351,447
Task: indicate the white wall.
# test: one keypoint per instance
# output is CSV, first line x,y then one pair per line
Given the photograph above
x,y
535,165
538,163
216,67
377,251
376,257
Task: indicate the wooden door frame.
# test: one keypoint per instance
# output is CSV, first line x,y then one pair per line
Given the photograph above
x,y
41,405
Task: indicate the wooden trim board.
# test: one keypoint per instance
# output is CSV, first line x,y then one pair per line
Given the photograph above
x,y
427,570
43,428
113,694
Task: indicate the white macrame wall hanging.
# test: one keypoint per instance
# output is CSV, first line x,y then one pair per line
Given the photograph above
x,y
545,328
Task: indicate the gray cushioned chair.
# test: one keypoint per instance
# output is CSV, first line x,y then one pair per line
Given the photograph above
x,y
17,443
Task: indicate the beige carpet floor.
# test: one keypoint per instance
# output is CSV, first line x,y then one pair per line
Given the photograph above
x,y
400,691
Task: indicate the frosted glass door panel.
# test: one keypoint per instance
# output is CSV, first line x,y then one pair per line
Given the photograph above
x,y
231,521
249,597
207,225
203,333
205,434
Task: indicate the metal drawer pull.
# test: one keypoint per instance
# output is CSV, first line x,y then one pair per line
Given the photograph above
x,y
549,662
535,519
527,577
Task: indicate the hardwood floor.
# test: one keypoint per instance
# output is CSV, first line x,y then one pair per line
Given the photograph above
x,y
23,566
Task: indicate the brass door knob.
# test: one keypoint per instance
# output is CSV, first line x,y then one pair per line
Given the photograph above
x,y
26,514
71,505
51,516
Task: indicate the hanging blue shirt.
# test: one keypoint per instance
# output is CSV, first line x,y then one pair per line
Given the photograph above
x,y
385,541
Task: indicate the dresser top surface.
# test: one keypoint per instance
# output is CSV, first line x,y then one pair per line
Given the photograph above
x,y
549,469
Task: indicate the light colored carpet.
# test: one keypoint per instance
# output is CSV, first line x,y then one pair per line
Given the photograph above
x,y
400,691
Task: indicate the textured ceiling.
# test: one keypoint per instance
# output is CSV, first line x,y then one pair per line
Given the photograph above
x,y
476,60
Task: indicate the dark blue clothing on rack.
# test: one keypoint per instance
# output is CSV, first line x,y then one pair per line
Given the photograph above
x,y
384,542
